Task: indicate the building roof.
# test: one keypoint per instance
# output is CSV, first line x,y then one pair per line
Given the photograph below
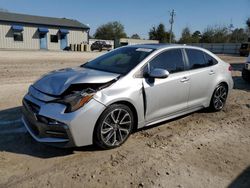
x,y
41,20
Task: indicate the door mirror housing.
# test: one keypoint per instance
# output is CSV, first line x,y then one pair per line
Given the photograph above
x,y
157,73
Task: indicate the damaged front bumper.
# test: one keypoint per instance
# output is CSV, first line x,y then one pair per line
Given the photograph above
x,y
48,123
43,131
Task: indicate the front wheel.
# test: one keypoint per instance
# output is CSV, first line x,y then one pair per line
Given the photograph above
x,y
219,98
114,126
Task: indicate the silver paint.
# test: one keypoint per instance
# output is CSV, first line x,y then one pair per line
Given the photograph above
x,y
178,94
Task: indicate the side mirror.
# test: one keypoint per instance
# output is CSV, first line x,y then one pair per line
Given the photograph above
x,y
158,73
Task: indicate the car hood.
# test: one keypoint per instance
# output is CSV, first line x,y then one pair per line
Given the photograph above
x,y
56,82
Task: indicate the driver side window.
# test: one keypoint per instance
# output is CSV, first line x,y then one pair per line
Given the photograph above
x,y
170,60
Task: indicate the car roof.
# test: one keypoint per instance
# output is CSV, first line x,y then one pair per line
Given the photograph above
x,y
161,46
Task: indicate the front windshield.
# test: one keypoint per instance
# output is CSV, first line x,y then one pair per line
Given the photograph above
x,y
119,61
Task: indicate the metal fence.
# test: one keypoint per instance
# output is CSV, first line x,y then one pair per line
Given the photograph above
x,y
220,48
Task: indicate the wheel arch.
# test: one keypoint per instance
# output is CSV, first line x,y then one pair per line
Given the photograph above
x,y
124,102
219,83
133,109
225,83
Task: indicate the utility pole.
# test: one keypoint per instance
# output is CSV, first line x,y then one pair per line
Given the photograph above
x,y
171,21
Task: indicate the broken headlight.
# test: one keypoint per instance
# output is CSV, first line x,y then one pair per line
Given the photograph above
x,y
77,99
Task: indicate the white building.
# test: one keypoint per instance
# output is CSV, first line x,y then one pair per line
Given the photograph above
x,y
20,31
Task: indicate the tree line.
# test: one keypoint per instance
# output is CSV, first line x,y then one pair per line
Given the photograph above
x,y
211,34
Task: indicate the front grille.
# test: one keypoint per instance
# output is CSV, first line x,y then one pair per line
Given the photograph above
x,y
33,107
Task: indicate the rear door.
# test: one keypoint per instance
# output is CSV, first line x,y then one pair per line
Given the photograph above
x,y
202,74
170,95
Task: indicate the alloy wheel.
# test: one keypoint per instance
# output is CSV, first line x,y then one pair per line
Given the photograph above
x,y
116,127
220,96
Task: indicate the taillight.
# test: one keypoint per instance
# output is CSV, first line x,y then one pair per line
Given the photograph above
x,y
230,68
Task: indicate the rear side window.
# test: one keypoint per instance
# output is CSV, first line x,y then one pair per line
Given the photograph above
x,y
170,60
196,59
210,60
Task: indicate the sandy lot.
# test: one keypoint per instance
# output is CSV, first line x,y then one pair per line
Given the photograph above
x,y
198,150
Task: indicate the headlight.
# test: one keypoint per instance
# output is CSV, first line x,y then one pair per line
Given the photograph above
x,y
76,100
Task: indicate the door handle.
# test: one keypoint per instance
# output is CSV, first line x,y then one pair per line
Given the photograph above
x,y
184,79
211,72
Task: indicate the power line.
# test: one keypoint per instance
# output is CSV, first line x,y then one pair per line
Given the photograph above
x,y
171,21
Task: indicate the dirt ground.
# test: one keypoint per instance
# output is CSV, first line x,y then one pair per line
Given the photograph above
x,y
198,150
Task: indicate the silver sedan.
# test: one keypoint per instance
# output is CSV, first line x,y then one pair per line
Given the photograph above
x,y
103,101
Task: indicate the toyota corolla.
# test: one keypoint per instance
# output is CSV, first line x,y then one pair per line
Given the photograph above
x,y
104,100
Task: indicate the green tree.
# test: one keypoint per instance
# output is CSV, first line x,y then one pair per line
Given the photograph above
x,y
248,23
186,36
248,29
238,35
196,37
135,36
153,34
207,35
221,35
160,34
110,31
216,34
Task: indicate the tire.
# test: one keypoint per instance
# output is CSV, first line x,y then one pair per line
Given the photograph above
x,y
219,98
246,75
113,126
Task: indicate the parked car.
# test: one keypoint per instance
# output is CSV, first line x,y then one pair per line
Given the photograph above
x,y
246,70
100,45
244,49
106,99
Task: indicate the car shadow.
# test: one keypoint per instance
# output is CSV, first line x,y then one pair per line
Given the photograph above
x,y
14,138
241,84
242,181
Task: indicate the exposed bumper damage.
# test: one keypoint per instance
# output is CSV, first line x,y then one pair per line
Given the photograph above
x,y
47,119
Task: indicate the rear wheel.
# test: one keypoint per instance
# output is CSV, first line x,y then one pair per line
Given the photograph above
x,y
114,126
219,97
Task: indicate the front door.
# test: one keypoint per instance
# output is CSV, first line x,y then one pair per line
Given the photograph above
x,y
64,42
165,97
43,40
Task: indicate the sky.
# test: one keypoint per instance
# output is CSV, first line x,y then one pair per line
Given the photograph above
x,y
138,16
